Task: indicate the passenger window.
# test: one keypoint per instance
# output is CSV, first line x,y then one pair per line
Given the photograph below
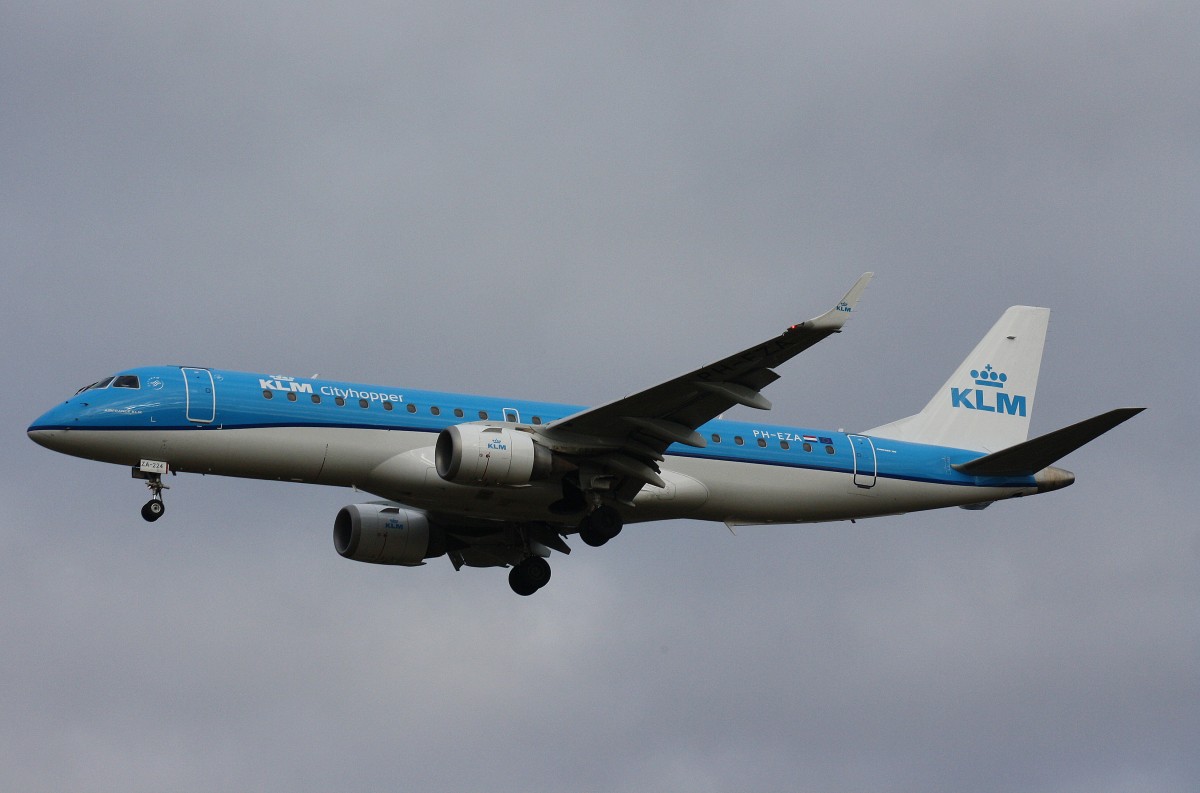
x,y
127,381
412,408
458,412
716,438
784,445
738,440
829,450
537,419
435,411
483,415
339,401
316,398
291,395
762,443
808,447
267,394
387,405
362,403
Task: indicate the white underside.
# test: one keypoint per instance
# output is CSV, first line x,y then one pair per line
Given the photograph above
x,y
398,465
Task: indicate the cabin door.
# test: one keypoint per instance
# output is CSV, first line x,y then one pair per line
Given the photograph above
x,y
864,461
201,395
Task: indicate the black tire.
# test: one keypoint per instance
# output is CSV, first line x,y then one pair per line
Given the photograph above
x,y
529,576
600,526
592,536
153,509
537,570
519,584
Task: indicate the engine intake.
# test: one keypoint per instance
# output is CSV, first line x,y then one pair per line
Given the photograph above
x,y
476,454
386,534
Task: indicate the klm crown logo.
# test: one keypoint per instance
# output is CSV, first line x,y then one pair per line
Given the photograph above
x,y
989,395
989,377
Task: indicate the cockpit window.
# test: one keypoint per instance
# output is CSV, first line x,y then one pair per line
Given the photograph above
x,y
101,384
126,381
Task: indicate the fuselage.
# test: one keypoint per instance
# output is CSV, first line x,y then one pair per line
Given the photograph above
x,y
380,439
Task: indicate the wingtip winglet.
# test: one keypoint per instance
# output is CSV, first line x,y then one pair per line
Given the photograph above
x,y
860,286
837,316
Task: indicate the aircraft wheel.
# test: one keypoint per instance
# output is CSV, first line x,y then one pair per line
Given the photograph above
x,y
153,509
600,526
529,575
591,536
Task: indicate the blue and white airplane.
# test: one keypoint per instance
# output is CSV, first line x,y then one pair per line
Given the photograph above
x,y
502,482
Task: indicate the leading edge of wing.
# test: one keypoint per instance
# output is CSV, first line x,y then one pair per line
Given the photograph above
x,y
671,411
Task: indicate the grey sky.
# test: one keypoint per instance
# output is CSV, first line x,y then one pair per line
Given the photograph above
x,y
573,203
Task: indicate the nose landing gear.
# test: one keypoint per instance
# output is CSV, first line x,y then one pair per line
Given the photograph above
x,y
152,471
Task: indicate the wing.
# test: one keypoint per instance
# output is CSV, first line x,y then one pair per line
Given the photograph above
x,y
623,440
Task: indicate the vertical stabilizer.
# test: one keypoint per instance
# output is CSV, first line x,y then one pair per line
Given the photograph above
x,y
987,403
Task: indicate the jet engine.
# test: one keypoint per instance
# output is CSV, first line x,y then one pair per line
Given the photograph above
x,y
476,454
383,533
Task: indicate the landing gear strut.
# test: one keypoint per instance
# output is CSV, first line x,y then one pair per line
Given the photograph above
x,y
529,575
601,525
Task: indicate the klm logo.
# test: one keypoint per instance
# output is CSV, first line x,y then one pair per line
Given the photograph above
x,y
279,382
843,306
988,394
498,445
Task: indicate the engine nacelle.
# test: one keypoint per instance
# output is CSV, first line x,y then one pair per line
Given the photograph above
x,y
477,454
386,534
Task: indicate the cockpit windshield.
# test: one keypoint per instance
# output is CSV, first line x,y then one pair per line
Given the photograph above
x,y
116,381
99,384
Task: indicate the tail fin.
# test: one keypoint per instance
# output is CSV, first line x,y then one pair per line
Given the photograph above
x,y
986,404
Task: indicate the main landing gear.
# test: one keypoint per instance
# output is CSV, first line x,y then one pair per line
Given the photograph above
x,y
152,472
600,525
529,575
533,572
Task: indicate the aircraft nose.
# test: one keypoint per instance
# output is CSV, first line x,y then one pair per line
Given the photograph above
x,y
51,427
43,437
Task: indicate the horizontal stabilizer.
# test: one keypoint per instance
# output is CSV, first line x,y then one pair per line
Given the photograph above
x,y
1026,459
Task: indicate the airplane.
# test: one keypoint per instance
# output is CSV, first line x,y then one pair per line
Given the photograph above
x,y
498,482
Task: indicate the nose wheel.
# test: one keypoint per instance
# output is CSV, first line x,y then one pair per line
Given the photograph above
x,y
153,509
